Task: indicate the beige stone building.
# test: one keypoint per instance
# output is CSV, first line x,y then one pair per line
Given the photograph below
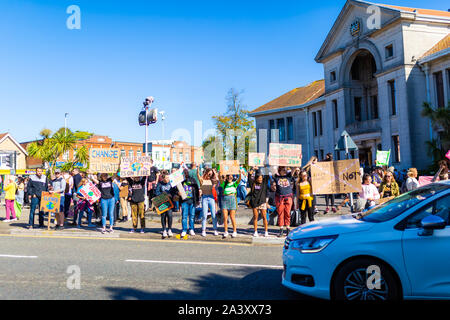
x,y
12,154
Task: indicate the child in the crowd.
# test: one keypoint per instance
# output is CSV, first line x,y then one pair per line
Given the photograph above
x,y
166,217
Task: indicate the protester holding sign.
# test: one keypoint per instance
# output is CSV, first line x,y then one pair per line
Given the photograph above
x,y
191,190
166,217
305,196
107,201
258,200
36,185
208,184
229,203
84,205
59,186
284,198
137,200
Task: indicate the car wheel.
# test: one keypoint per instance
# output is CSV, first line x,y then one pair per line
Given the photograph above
x,y
365,279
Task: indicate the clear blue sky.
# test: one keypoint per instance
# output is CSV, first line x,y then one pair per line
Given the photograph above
x,y
187,54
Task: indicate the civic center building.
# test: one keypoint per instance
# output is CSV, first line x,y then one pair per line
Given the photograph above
x,y
375,82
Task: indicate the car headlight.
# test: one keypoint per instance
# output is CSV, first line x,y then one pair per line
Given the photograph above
x,y
311,245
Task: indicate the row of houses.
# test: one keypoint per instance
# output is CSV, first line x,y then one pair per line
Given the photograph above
x,y
375,82
166,154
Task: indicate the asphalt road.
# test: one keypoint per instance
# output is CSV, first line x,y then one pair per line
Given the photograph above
x,y
37,268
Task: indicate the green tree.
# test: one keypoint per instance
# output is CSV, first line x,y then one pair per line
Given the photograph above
x,y
235,129
440,120
51,147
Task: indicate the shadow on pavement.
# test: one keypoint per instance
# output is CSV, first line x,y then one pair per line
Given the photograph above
x,y
258,285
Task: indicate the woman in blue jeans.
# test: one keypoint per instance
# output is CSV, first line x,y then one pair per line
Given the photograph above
x,y
188,204
208,183
107,201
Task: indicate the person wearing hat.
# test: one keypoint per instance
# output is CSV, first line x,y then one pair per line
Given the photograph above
x,y
58,185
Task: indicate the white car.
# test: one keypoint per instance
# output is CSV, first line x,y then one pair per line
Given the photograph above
x,y
400,249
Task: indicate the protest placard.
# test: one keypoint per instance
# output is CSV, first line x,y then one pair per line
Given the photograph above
x,y
229,167
90,192
287,155
162,203
50,202
256,159
382,158
135,166
104,160
177,177
424,180
335,177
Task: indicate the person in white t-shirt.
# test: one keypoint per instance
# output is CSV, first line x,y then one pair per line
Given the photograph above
x,y
411,182
368,191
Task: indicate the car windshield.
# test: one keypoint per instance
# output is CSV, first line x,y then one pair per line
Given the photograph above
x,y
397,206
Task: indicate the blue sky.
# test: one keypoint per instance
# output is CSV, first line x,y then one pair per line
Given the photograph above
x,y
187,54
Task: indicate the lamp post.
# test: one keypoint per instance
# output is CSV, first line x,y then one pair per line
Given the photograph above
x,y
65,123
147,103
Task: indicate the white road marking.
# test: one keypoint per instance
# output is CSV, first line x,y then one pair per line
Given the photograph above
x,y
14,256
210,264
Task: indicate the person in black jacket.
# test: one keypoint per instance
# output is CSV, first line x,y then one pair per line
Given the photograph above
x,y
76,181
137,201
36,185
192,198
259,199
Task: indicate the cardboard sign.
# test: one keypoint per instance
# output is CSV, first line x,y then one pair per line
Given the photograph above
x,y
50,202
382,158
424,180
287,155
229,167
177,177
335,177
256,159
104,160
135,166
90,192
162,203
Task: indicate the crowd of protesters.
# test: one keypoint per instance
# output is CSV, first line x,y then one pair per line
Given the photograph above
x,y
285,194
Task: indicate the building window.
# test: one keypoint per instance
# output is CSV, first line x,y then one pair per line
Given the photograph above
x,y
391,86
271,132
181,157
282,129
174,157
389,51
439,84
65,155
332,76
322,156
187,157
316,153
290,128
374,106
122,153
130,153
396,144
314,120
335,114
357,101
157,155
319,114
138,153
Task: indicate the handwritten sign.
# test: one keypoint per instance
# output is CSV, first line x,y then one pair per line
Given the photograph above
x,y
382,158
50,202
104,160
162,203
287,155
256,159
177,177
229,167
334,177
90,192
135,166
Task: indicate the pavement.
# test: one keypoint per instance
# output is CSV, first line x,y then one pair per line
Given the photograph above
x,y
244,218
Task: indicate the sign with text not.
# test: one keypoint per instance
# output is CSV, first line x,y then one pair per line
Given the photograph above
x,y
104,160
135,166
335,177
287,155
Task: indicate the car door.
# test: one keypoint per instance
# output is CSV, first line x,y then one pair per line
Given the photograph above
x,y
427,258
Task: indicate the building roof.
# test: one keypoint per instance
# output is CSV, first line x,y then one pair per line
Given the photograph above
x,y
427,12
3,136
296,97
438,47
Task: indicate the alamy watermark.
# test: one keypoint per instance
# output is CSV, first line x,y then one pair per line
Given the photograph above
x,y
74,20
74,280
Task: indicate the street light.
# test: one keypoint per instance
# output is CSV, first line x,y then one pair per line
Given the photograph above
x,y
65,123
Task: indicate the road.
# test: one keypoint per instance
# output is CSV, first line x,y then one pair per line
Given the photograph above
x,y
37,268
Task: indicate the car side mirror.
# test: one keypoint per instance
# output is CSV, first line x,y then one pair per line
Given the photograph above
x,y
431,223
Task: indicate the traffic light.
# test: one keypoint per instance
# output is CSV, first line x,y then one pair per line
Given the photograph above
x,y
152,117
